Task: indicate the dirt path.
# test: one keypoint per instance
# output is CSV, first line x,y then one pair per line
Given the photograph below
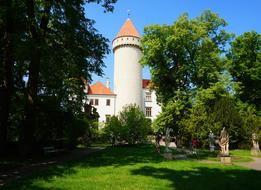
x,y
27,169
255,165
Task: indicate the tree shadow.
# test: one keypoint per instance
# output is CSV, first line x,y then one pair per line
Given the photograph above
x,y
194,178
204,178
111,156
28,181
120,156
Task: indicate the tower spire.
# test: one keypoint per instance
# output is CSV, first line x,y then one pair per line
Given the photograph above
x,y
128,11
128,29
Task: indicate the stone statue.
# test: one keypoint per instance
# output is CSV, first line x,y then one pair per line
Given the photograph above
x,y
168,139
255,141
255,149
224,142
211,139
157,141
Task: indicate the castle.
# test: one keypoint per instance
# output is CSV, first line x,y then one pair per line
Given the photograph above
x,y
129,87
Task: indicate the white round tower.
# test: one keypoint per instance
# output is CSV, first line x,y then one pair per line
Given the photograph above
x,y
127,69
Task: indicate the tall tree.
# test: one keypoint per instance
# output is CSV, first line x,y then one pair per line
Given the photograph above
x,y
60,26
7,64
186,54
56,49
245,67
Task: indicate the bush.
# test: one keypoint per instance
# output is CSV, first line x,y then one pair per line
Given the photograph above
x,y
131,126
113,130
77,132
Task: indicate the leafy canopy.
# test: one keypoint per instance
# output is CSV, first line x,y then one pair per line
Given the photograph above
x,y
184,55
245,67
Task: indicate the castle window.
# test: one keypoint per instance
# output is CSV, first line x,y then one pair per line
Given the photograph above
x,y
148,96
108,102
96,102
91,101
148,111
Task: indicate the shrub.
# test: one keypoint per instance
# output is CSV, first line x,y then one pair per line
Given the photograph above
x,y
135,125
78,131
113,130
131,126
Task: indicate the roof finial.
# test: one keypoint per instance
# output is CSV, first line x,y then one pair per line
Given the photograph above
x,y
128,11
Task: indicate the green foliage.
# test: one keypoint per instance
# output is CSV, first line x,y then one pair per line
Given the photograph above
x,y
52,49
135,125
214,109
171,115
192,81
245,67
79,131
251,123
131,126
184,54
113,130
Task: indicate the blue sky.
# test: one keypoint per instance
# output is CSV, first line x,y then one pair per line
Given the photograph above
x,y
241,15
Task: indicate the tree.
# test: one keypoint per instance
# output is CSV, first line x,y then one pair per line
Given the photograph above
x,y
183,58
56,47
171,115
184,55
245,67
135,125
7,64
251,123
214,108
113,130
130,126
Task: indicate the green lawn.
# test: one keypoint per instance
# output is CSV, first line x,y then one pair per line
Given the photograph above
x,y
139,168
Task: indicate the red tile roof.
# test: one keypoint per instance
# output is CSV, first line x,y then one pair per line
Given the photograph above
x,y
128,29
145,83
99,89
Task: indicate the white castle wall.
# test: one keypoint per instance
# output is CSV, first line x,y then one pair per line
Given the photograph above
x,y
102,108
155,107
127,72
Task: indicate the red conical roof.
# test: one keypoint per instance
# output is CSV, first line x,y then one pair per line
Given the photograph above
x,y
128,29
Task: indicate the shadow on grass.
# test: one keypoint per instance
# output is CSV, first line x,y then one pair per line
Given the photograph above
x,y
203,178
121,156
117,156
29,182
198,178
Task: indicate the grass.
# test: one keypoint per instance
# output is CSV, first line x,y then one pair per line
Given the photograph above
x,y
237,155
126,168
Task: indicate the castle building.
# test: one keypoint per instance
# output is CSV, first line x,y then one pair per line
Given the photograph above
x,y
129,87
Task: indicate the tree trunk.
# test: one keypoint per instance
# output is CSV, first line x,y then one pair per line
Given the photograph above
x,y
6,86
37,36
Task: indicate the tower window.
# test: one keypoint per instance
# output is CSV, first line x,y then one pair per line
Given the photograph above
x,y
108,102
96,102
148,96
148,111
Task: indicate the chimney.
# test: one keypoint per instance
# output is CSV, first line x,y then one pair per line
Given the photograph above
x,y
107,82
